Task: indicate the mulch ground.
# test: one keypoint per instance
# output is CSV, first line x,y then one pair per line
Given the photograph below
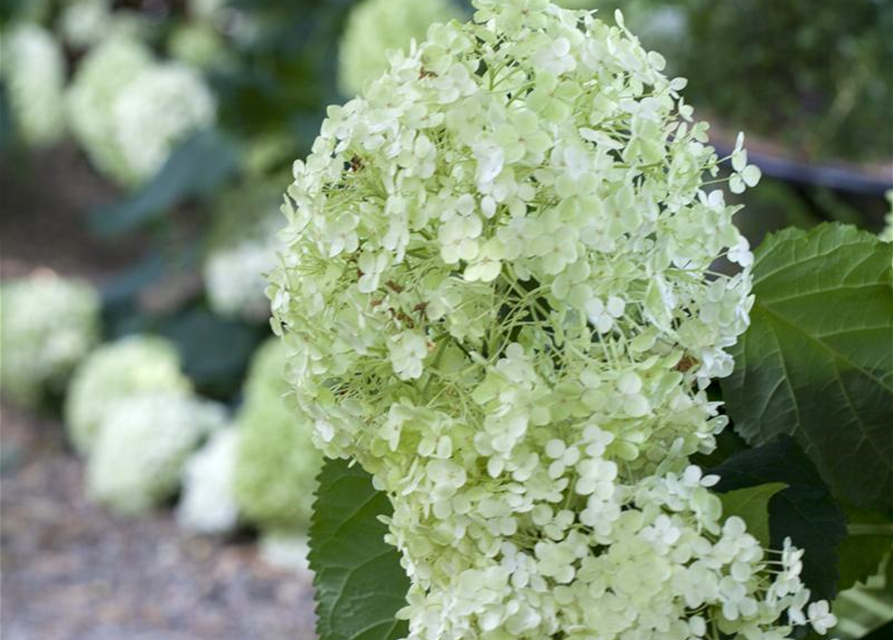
x,y
71,571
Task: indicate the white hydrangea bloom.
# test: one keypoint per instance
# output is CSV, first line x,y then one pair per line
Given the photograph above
x,y
48,325
129,112
143,442
208,503
236,275
85,22
91,99
156,110
497,296
33,66
130,366
375,27
285,550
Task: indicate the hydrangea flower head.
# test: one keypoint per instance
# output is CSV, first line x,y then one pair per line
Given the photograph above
x,y
130,366
34,69
85,22
144,441
208,504
375,27
497,296
276,461
129,112
241,252
91,97
48,325
157,110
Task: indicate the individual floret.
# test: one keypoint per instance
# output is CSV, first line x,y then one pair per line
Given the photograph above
x,y
276,464
143,444
130,366
48,325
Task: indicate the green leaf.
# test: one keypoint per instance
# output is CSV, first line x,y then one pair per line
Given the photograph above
x,y
359,582
817,360
194,169
805,512
862,554
881,633
752,506
215,351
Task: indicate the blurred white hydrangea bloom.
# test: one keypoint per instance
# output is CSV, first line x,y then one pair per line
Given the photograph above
x,y
143,443
48,324
375,27
208,504
130,366
236,275
90,102
498,297
129,112
156,110
285,551
85,22
33,66
277,463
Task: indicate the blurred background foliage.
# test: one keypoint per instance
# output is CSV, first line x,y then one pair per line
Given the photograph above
x,y
228,93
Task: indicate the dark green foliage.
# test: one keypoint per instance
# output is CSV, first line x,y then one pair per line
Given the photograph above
x,y
195,169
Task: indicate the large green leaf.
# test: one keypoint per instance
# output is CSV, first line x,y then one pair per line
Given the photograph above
x,y
870,541
817,360
359,582
805,512
752,506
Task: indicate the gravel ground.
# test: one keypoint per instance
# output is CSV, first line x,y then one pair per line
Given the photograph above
x,y
68,569
71,571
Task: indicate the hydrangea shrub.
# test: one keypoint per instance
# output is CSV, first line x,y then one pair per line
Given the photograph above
x,y
131,366
375,27
48,325
208,504
498,296
144,441
276,461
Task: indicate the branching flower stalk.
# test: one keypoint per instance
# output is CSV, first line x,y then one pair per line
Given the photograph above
x,y
497,297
